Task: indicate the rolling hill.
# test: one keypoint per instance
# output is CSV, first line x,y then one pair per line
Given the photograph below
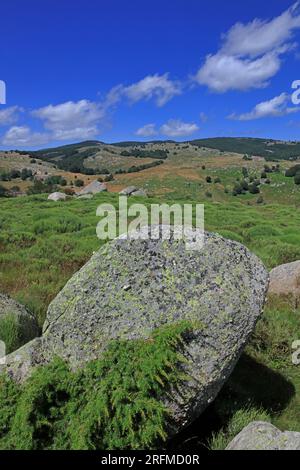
x,y
91,157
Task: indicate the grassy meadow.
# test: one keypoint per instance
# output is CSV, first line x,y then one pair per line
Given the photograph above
x,y
43,243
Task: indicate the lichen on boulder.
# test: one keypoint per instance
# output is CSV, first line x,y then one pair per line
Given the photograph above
x,y
131,287
264,436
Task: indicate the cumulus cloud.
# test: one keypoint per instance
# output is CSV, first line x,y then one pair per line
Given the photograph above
x,y
149,130
10,115
71,120
251,53
277,106
172,128
157,87
178,128
22,136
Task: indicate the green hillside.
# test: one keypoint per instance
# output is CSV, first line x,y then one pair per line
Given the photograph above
x,y
269,149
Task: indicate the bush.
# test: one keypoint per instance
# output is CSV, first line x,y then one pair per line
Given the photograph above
x,y
3,192
79,183
115,401
245,172
291,172
244,185
254,189
209,179
297,179
108,178
237,190
260,200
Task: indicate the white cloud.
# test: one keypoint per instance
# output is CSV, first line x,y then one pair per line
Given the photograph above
x,y
222,72
71,120
178,128
9,115
149,130
251,53
157,87
277,106
23,136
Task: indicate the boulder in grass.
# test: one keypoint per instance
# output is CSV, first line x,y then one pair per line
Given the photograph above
x,y
57,196
285,281
131,287
264,436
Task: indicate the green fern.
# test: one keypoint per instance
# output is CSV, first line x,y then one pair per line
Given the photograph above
x,y
112,403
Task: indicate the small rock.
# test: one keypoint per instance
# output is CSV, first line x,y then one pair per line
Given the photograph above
x,y
128,191
264,436
57,197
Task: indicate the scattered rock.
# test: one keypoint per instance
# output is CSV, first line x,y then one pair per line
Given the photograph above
x,y
220,288
128,191
285,281
57,197
94,187
17,324
264,436
140,192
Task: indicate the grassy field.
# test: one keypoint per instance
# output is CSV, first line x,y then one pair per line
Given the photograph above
x,y
43,243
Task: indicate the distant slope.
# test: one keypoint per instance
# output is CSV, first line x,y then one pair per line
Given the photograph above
x,y
267,148
92,157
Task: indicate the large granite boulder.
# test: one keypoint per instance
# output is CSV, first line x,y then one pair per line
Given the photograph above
x,y
285,281
130,287
17,324
94,187
264,436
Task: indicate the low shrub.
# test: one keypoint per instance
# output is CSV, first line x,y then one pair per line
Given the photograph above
x,y
112,403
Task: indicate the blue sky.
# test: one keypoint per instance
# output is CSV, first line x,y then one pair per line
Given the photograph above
x,y
140,70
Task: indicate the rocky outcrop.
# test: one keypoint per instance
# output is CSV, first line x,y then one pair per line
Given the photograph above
x,y
57,197
131,287
94,187
263,436
128,191
17,324
285,281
